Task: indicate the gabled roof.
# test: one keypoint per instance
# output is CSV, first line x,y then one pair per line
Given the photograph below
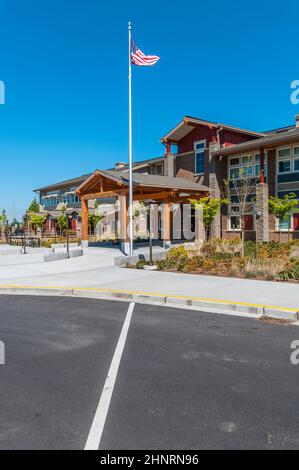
x,y
189,123
140,179
74,181
278,138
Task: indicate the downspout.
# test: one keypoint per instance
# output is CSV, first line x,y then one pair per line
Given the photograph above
x,y
218,130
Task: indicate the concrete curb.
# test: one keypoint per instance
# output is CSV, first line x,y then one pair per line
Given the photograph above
x,y
59,255
199,304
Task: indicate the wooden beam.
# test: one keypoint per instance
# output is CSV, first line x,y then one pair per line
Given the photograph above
x,y
166,221
159,195
84,220
99,195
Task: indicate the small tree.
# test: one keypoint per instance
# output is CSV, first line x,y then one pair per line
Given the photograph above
x,y
242,192
3,217
210,208
37,221
282,207
94,219
34,206
62,220
3,221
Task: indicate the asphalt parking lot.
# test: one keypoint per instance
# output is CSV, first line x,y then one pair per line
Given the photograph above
x,y
186,380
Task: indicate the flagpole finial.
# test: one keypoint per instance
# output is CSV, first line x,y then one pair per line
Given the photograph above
x,y
129,24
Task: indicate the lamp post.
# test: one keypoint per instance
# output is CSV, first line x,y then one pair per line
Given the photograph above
x,y
68,217
24,238
67,236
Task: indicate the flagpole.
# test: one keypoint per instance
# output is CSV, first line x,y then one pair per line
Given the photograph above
x,y
130,148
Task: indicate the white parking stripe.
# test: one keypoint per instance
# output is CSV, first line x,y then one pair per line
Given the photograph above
x,y
97,427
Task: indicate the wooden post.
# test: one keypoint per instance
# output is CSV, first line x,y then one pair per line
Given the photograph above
x,y
84,222
166,224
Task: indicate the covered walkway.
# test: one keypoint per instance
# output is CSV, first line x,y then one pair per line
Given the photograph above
x,y
150,189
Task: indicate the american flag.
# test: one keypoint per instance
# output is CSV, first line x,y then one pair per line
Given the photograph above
x,y
138,58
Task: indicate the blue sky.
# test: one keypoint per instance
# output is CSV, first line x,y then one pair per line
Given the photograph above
x,y
64,65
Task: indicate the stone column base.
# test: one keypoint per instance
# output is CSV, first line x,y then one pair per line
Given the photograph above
x,y
262,212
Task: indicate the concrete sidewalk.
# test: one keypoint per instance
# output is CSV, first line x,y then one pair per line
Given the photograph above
x,y
95,270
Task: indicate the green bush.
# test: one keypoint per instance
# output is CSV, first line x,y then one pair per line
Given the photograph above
x,y
250,249
290,274
176,258
141,263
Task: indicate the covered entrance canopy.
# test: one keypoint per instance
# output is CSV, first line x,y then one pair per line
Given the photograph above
x,y
152,188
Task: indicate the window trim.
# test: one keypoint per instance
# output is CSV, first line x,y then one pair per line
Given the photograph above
x,y
204,141
295,171
238,214
285,148
284,159
251,164
285,230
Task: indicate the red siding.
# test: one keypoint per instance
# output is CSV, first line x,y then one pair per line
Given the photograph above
x,y
199,133
203,132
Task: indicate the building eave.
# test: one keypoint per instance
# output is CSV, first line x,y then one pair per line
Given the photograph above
x,y
189,123
264,142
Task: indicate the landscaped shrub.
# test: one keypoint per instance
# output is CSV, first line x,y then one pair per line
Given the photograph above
x,y
267,269
176,258
292,273
250,249
219,245
264,261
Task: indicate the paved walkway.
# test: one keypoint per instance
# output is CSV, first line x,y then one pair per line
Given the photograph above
x,y
95,269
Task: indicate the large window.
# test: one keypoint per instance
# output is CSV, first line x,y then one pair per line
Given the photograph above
x,y
246,166
199,148
287,160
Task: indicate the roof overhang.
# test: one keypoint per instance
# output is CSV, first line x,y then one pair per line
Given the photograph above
x,y
106,184
264,142
189,123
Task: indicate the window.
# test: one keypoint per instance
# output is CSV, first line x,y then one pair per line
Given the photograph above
x,y
199,148
234,161
235,222
257,166
285,224
247,171
234,173
296,164
284,166
246,166
247,159
160,169
284,152
235,217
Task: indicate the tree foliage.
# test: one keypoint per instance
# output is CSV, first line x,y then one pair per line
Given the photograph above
x,y
210,208
37,220
62,219
94,219
34,206
3,217
282,207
